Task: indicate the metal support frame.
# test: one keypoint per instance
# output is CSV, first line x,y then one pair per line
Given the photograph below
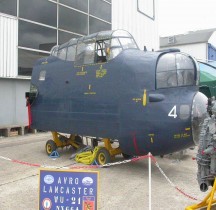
x,y
67,142
207,202
89,157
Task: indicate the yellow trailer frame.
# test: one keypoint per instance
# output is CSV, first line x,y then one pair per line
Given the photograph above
x,y
101,154
52,145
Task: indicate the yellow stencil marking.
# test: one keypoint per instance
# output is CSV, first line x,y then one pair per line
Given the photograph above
x,y
144,98
44,62
82,72
177,136
137,99
151,138
89,91
185,135
152,141
181,135
100,73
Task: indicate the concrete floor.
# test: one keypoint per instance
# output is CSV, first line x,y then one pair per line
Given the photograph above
x,y
121,187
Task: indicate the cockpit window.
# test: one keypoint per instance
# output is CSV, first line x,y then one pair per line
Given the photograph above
x,y
166,63
101,51
119,44
42,75
85,53
114,47
102,46
89,53
121,33
92,52
71,51
127,43
115,42
175,69
54,51
114,52
62,53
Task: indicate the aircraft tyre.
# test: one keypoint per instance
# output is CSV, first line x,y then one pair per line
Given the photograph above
x,y
50,146
103,156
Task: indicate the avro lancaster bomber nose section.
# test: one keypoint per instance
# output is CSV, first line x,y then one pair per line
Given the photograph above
x,y
102,85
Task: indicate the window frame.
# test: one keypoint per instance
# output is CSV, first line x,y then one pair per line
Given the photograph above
x,y
106,51
62,53
74,46
81,48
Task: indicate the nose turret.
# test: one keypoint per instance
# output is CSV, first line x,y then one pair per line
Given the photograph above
x,y
199,113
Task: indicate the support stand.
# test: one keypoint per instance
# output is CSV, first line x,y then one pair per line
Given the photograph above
x,y
101,155
54,154
207,202
150,187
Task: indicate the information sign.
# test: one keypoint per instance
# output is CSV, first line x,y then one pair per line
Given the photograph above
x,y
68,190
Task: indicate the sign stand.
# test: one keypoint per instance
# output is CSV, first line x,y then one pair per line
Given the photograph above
x,y
54,154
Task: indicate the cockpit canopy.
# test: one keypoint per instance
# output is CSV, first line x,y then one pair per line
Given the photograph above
x,y
95,48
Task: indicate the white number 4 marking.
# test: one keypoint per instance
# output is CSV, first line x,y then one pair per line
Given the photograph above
x,y
172,113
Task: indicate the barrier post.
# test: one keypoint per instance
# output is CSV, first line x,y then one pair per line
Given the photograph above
x,y
149,163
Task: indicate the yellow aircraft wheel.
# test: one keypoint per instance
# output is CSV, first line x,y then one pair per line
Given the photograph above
x,y
50,146
103,156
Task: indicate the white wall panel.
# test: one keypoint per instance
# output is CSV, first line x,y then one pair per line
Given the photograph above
x,y
144,30
13,104
198,51
8,46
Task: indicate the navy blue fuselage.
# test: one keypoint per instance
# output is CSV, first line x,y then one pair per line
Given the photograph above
x,y
117,100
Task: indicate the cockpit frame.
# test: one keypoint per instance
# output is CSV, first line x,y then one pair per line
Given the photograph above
x,y
95,48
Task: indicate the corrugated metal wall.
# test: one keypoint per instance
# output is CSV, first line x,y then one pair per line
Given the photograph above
x,y
8,46
144,30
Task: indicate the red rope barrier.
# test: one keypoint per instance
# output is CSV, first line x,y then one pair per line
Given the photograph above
x,y
25,163
107,165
